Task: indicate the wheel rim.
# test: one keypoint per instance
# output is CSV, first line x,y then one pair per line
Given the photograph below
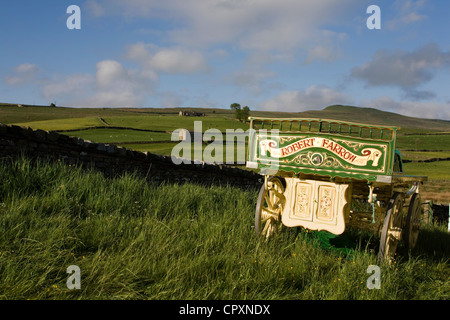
x,y
392,228
270,204
413,221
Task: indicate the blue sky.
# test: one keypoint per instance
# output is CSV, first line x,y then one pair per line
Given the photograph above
x,y
287,55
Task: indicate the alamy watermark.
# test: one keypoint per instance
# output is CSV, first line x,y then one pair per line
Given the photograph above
x,y
374,281
74,20
74,280
215,147
191,144
374,21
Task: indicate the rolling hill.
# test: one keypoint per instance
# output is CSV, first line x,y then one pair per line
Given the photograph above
x,y
375,116
10,113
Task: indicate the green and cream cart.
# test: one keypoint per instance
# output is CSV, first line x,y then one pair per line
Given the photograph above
x,y
327,174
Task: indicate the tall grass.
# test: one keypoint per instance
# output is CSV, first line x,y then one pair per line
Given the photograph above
x,y
135,240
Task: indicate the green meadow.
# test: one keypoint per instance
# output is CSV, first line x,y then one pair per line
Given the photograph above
x,y
63,124
119,136
171,123
434,170
424,142
131,243
417,140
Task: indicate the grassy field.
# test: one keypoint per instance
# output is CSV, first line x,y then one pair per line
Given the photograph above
x,y
150,122
171,123
63,124
237,153
434,170
12,114
424,142
425,155
411,137
157,148
131,243
119,136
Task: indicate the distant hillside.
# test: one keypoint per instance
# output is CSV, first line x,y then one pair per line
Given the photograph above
x,y
11,113
366,115
375,116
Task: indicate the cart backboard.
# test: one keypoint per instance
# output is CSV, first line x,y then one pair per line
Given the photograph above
x,y
322,147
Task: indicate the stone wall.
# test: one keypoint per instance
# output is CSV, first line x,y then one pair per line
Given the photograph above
x,y
113,160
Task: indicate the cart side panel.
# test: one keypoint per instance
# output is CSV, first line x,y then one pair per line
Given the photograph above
x,y
323,154
316,205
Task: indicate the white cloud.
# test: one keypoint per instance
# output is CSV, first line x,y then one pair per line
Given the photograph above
x,y
171,99
111,86
23,73
268,31
313,98
114,85
72,85
262,25
178,61
119,87
255,75
54,88
170,60
95,8
321,53
110,73
428,110
406,70
408,13
325,48
281,25
26,68
254,82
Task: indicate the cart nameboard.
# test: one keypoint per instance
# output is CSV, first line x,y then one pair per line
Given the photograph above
x,y
318,153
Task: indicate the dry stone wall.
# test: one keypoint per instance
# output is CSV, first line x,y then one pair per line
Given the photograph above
x,y
114,160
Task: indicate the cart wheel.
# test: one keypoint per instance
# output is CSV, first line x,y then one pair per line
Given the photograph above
x,y
413,221
392,228
270,204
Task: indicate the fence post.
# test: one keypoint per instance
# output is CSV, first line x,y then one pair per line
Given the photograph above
x,y
448,217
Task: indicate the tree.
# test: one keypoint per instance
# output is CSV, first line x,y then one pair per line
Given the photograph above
x,y
240,113
245,113
237,110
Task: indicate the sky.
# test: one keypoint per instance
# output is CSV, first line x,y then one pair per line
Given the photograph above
x,y
277,55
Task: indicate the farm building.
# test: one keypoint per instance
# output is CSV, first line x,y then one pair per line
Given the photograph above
x,y
190,114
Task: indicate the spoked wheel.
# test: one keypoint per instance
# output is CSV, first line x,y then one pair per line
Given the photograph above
x,y
391,232
413,221
270,204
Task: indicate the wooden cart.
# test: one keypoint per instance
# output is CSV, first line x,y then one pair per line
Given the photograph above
x,y
327,174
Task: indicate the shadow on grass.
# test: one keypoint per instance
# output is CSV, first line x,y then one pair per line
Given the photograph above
x,y
432,243
352,241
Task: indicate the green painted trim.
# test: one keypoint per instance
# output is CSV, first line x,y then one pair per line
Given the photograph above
x,y
315,120
323,153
